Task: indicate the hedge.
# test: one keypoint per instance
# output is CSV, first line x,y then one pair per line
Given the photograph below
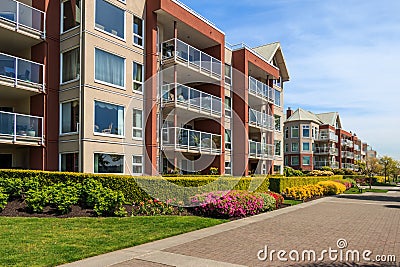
x,y
277,184
137,189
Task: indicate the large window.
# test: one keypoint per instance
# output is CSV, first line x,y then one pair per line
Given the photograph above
x,y
69,117
295,131
69,162
70,14
137,125
137,77
137,165
228,74
278,148
110,18
295,147
306,131
109,68
106,163
70,65
306,160
108,118
277,123
277,97
306,146
228,142
138,31
294,160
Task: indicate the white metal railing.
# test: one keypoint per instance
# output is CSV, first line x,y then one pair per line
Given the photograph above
x,y
347,154
21,128
191,140
23,16
261,89
320,164
261,150
262,120
177,49
326,150
21,71
326,137
191,98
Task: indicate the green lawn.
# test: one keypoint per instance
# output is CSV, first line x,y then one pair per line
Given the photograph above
x,y
292,202
51,241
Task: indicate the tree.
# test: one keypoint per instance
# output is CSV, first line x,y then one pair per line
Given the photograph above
x,y
361,166
372,167
388,165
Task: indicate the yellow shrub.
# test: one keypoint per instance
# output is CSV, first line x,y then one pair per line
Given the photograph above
x,y
380,179
304,192
332,188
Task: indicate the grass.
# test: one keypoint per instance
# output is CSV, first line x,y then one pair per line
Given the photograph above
x,y
354,190
53,241
292,202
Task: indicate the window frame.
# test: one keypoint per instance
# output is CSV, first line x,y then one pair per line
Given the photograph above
x,y
304,127
60,159
280,147
230,137
104,31
302,146
62,31
298,161
309,160
61,118
137,165
107,153
137,128
230,74
291,147
280,97
61,65
276,117
107,83
135,81
94,120
136,35
291,131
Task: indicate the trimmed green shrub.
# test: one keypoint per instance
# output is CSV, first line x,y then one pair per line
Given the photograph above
x,y
290,172
3,199
279,184
36,200
12,187
63,196
109,202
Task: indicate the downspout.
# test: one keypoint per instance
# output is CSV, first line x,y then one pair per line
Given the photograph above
x,y
80,143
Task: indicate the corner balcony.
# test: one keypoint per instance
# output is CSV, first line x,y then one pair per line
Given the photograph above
x,y
261,90
320,164
191,141
259,150
177,52
347,154
187,98
21,73
326,151
21,23
261,120
326,137
21,129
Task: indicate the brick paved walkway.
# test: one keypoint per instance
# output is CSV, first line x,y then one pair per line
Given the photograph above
x,y
367,222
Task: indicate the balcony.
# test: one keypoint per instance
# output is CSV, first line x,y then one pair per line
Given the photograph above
x,y
261,120
259,150
320,164
177,95
326,137
326,150
21,129
191,141
347,143
261,90
347,166
21,18
180,52
21,73
347,154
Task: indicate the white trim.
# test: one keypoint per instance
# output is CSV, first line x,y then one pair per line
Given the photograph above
x,y
62,16
109,33
138,82
60,114
136,128
61,66
136,35
136,165
107,83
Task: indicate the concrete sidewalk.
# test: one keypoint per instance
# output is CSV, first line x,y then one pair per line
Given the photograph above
x,y
368,221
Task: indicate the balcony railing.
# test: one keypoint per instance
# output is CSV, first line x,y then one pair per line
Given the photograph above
x,y
348,143
22,16
262,90
326,150
327,137
21,71
320,164
261,151
191,98
181,51
18,128
262,120
347,154
191,140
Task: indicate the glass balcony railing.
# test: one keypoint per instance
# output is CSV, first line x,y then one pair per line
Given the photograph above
x,y
21,71
191,140
261,89
326,150
23,16
179,50
191,98
19,128
320,164
262,120
348,143
327,137
347,154
261,151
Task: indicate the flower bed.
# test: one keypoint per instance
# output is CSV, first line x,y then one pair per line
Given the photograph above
x,y
323,188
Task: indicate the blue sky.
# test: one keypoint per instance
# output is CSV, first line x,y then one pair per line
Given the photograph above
x,y
342,56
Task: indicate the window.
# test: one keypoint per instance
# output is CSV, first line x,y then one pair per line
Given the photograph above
x,y
306,160
138,31
306,131
69,162
228,168
228,74
306,146
228,106
106,163
286,147
277,123
294,161
286,133
108,118
109,68
137,165
295,147
278,148
137,77
110,19
137,126
69,117
277,169
277,97
70,14
295,131
70,65
286,161
228,142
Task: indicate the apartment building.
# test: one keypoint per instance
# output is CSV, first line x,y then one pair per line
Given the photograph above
x,y
134,87
313,141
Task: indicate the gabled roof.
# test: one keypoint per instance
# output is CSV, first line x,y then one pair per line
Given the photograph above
x,y
330,118
304,115
271,51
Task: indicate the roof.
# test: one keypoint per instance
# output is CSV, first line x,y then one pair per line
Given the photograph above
x,y
304,115
329,118
271,51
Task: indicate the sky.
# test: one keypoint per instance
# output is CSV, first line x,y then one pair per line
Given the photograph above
x,y
342,56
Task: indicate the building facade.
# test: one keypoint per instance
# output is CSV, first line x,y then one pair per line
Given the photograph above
x,y
134,87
